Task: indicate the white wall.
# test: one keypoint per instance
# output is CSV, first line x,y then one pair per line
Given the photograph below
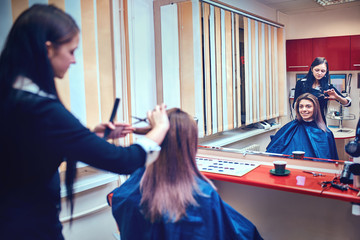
x,y
331,23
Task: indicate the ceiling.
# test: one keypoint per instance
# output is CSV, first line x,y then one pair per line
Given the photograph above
x,y
292,7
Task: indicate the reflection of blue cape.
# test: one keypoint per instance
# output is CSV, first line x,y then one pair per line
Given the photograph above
x,y
304,136
213,219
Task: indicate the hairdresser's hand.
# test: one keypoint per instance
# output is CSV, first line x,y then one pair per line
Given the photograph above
x,y
158,117
159,123
334,96
118,130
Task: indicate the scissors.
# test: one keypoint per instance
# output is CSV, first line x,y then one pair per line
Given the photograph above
x,y
139,120
314,173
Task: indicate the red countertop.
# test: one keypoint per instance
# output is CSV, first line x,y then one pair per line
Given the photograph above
x,y
261,177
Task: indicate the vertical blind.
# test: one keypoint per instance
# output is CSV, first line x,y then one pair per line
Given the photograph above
x,y
221,69
243,70
261,68
243,65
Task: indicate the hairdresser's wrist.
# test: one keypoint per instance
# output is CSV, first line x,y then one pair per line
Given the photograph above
x,y
347,102
341,100
158,133
151,148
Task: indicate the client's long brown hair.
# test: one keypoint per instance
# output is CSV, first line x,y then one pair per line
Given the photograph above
x,y
316,113
169,183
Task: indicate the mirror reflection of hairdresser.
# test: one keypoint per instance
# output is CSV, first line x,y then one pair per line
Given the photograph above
x,y
171,199
316,82
307,132
38,133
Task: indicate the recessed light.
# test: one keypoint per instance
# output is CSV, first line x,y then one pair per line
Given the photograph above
x,y
332,2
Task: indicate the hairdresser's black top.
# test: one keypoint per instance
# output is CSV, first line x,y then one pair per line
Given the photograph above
x,y
37,134
319,93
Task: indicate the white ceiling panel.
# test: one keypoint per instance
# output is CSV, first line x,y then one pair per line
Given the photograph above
x,y
291,7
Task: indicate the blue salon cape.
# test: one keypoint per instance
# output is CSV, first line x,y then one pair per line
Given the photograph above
x,y
212,219
304,136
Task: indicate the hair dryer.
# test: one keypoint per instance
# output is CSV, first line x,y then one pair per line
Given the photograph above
x,y
353,147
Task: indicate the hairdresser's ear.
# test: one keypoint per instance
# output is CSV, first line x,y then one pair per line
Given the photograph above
x,y
50,49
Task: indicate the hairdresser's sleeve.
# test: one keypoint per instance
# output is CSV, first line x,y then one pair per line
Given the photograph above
x,y
339,93
63,135
151,148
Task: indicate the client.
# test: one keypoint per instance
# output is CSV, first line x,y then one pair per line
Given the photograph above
x,y
171,199
307,132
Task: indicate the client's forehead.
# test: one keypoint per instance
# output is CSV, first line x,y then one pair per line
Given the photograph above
x,y
305,102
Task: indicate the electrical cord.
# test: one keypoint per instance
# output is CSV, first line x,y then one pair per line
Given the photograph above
x,y
335,183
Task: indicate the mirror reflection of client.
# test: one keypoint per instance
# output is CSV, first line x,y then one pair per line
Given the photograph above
x,y
171,199
307,132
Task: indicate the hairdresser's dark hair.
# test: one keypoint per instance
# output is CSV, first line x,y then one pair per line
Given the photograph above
x,y
25,52
324,82
169,183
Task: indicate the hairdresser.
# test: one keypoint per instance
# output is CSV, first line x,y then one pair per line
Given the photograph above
x,y
38,133
316,82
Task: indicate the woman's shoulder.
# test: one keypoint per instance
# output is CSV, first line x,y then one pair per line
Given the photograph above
x,y
131,184
288,125
30,104
51,108
302,80
206,194
301,83
30,98
46,113
204,186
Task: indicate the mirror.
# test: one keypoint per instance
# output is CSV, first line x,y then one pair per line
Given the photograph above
x,y
255,141
208,80
270,155
257,144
